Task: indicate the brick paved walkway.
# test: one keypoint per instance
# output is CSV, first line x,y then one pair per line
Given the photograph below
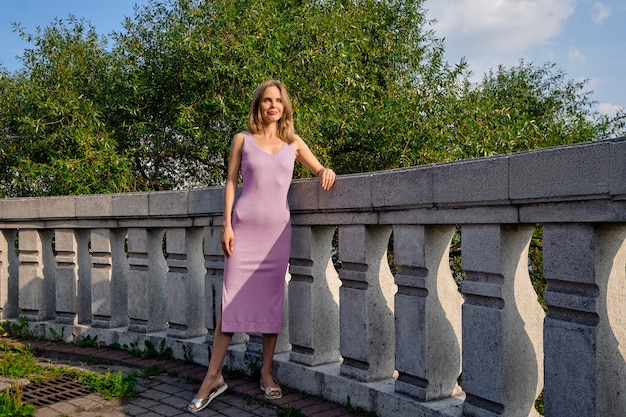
x,y
168,393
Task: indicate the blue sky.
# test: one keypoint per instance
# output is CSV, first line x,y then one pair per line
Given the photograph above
x,y
585,38
105,15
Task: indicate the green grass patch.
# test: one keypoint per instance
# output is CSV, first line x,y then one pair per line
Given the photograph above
x,y
20,362
11,404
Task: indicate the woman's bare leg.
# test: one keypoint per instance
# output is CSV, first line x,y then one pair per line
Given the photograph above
x,y
269,346
221,341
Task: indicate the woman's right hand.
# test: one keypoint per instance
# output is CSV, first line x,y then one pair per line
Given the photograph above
x,y
228,241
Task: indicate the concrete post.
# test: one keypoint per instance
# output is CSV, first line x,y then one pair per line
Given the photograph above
x,y
9,275
36,274
584,331
109,278
502,345
147,281
186,301
73,276
214,278
282,344
428,313
314,297
366,303
611,342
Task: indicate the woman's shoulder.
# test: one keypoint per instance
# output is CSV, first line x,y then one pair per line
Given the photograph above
x,y
238,140
239,137
297,141
299,145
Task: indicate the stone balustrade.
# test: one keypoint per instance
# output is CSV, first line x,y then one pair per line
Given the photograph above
x,y
397,338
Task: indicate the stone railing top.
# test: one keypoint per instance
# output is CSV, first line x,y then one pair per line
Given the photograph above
x,y
527,187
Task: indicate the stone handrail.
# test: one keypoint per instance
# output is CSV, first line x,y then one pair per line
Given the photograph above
x,y
395,338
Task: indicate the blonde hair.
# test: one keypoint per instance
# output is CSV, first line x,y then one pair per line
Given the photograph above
x,y
285,129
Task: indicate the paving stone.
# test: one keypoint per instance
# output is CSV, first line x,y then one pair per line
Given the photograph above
x,y
335,412
65,408
168,394
167,388
165,410
134,410
155,394
314,409
145,402
176,402
86,403
46,412
237,412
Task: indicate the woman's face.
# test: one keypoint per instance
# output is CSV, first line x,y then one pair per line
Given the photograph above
x,y
271,105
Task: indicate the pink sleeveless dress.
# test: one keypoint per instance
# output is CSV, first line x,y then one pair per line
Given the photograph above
x,y
254,276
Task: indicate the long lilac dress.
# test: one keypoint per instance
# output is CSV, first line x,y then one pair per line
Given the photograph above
x,y
254,275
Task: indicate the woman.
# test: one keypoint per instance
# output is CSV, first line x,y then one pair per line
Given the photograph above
x,y
256,235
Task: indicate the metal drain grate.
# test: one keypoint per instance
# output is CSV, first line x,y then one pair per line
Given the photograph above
x,y
53,391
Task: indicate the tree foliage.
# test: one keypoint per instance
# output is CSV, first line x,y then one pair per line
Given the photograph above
x,y
521,108
55,136
354,69
370,86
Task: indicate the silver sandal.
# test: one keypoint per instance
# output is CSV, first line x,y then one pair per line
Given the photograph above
x,y
201,403
268,391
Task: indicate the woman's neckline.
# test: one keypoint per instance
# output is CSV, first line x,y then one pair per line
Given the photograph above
x,y
263,150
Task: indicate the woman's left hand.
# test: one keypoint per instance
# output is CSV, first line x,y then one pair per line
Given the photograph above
x,y
327,178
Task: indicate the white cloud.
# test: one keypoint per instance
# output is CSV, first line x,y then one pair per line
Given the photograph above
x,y
497,27
600,12
609,109
575,55
489,33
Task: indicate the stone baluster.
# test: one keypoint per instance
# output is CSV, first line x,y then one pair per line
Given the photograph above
x,y
428,313
185,283
502,323
109,278
147,280
9,275
282,344
36,274
366,303
73,276
314,297
213,280
611,341
584,333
